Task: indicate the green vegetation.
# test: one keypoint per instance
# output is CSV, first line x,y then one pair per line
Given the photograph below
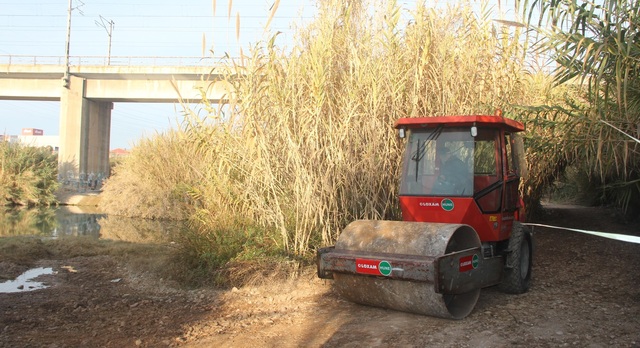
x,y
305,143
28,175
164,178
595,131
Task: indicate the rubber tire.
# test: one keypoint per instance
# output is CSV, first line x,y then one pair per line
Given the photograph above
x,y
516,278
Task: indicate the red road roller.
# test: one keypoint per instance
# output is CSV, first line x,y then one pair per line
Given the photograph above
x,y
461,228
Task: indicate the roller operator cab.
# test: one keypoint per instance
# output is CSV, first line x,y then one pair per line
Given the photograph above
x,y
461,231
462,169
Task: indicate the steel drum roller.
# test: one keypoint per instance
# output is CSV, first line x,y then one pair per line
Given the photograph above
x,y
406,238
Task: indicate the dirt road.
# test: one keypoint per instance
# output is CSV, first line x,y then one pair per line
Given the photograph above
x,y
585,293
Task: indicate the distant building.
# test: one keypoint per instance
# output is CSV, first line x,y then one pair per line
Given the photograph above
x,y
32,131
34,137
118,152
9,138
40,141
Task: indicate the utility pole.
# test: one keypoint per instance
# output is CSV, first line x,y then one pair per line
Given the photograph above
x,y
65,79
103,23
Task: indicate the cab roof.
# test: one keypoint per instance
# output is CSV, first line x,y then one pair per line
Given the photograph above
x,y
491,121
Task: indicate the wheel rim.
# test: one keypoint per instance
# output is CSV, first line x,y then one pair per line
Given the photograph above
x,y
525,257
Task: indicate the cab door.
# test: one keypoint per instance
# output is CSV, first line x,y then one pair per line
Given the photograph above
x,y
511,199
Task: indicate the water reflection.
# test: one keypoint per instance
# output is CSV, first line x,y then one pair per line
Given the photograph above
x,y
138,230
25,281
23,221
83,221
71,222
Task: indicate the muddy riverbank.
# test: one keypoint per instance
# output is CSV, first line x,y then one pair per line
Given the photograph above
x,y
584,294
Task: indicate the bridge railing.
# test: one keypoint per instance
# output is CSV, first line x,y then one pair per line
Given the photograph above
x,y
109,61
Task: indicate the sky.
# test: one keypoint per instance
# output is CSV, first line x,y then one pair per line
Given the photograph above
x,y
141,28
135,28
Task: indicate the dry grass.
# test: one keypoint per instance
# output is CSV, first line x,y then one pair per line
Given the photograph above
x,y
153,179
306,144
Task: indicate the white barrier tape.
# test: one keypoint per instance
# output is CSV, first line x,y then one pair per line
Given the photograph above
x,y
622,237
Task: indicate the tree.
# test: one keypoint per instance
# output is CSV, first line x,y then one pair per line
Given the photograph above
x,y
596,45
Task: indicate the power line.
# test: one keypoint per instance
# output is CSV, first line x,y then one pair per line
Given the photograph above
x,y
149,16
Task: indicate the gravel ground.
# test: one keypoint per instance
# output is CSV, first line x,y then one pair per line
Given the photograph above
x,y
584,293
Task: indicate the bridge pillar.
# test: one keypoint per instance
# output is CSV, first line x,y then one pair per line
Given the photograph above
x,y
85,127
99,137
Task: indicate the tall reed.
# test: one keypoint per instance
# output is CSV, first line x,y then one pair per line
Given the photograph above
x,y
306,142
303,143
28,175
151,181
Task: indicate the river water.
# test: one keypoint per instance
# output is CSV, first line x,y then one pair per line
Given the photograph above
x,y
70,221
64,221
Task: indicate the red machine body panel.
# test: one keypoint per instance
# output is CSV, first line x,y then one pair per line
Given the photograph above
x,y
488,198
490,227
462,121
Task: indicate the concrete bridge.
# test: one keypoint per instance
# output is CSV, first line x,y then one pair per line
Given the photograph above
x,y
87,93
